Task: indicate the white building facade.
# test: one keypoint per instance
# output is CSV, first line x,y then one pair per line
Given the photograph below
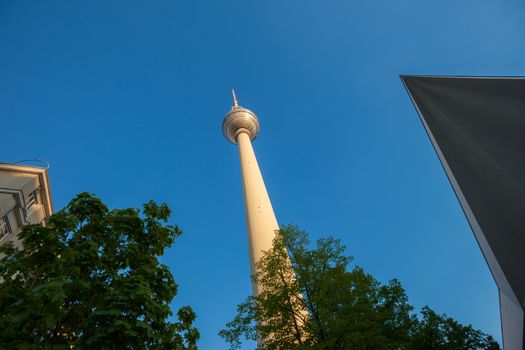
x,y
25,198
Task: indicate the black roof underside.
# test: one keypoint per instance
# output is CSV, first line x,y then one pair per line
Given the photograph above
x,y
478,126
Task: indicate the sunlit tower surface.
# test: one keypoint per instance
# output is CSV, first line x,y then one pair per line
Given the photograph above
x,y
241,127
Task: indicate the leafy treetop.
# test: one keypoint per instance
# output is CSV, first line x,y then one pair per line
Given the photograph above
x,y
310,299
90,278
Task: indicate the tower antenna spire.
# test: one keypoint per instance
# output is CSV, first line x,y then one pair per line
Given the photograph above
x,y
235,104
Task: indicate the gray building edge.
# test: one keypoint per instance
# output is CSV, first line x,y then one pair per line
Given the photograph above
x,y
477,128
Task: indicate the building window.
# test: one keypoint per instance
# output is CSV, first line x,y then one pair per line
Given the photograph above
x,y
5,227
33,198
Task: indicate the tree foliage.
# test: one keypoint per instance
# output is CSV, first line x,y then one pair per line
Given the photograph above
x,y
444,333
310,299
91,279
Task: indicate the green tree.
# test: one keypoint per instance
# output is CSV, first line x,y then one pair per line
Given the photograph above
x,y
441,332
91,279
310,299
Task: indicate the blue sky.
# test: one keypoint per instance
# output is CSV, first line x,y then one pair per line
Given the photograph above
x,y
125,99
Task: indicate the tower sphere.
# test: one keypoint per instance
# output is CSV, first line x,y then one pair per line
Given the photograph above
x,y
238,120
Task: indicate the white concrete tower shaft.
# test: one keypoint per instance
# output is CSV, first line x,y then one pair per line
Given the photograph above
x,y
241,126
260,217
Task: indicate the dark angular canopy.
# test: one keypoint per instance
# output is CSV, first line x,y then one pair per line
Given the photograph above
x,y
477,127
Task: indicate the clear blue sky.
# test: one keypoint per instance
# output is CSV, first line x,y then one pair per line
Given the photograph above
x,y
125,99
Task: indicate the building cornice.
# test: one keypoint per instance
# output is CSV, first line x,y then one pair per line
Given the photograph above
x,y
43,177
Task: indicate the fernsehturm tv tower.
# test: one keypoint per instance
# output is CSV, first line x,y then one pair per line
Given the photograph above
x,y
241,127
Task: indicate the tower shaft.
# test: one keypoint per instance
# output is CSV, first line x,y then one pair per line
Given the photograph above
x,y
260,217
